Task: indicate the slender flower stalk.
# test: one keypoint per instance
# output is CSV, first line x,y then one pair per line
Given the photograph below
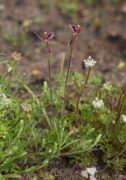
x,y
75,29
88,63
121,97
119,105
50,83
46,37
87,78
77,110
119,112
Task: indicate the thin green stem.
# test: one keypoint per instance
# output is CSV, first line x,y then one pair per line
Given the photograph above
x,y
66,80
77,110
37,102
30,92
49,71
119,101
87,78
79,96
119,109
119,105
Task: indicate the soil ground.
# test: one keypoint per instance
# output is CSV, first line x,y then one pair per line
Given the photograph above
x,y
103,37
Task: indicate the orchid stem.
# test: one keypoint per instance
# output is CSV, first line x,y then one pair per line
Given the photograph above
x,y
49,71
66,80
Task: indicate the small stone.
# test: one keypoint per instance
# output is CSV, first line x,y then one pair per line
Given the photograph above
x,y
84,173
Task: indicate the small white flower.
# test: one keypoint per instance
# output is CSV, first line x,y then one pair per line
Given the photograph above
x,y
91,171
98,103
89,62
124,118
9,68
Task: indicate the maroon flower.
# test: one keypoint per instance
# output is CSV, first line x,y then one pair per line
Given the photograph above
x,y
46,36
75,28
75,31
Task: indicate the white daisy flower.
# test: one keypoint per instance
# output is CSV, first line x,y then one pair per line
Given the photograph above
x,y
98,103
89,62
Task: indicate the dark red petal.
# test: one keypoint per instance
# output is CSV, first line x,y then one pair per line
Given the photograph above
x,y
72,28
75,28
39,36
50,35
78,28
